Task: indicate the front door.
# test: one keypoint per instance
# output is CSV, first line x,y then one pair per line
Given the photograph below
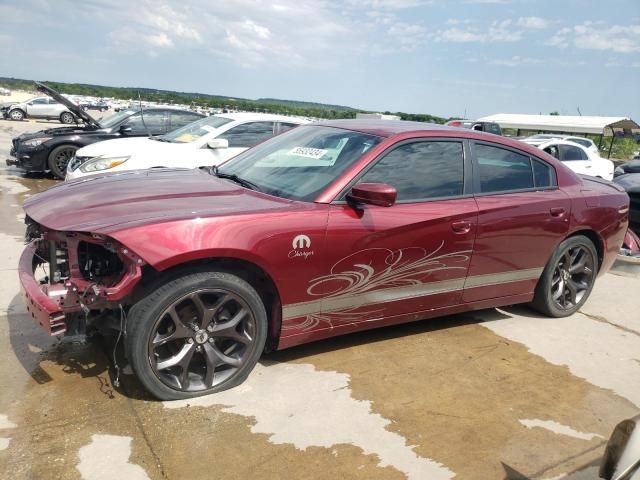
x,y
522,215
387,262
38,107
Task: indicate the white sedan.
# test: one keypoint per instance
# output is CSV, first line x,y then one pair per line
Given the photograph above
x,y
545,137
578,158
206,142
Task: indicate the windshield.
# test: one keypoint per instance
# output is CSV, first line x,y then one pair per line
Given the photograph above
x,y
193,131
114,119
302,162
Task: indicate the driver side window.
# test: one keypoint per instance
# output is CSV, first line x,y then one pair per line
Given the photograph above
x,y
421,170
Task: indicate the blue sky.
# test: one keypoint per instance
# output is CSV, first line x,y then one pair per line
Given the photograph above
x,y
443,57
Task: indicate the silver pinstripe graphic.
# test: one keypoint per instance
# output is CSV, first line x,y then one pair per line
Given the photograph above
x,y
385,295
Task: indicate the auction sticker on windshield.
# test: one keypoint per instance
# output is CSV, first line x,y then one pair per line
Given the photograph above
x,y
315,153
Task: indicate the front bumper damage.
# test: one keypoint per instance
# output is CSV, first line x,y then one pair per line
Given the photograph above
x,y
75,277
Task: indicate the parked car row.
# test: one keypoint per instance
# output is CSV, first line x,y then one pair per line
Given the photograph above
x,y
52,149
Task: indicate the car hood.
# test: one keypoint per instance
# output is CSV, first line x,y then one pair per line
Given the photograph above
x,y
56,132
125,146
629,181
73,108
109,203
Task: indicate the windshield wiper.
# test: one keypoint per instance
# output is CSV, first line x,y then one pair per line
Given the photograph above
x,y
234,178
159,139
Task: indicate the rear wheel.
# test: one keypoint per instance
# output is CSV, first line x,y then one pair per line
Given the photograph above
x,y
197,334
568,278
59,159
16,114
66,118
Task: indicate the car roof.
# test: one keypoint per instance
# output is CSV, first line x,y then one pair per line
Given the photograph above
x,y
386,128
242,116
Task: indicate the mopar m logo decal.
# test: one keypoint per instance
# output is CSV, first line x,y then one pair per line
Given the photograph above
x,y
300,242
301,245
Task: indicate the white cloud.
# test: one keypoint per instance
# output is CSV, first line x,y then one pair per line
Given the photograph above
x,y
488,1
595,36
515,61
389,4
498,31
408,35
533,22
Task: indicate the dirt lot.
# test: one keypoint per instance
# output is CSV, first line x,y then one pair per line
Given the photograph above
x,y
490,395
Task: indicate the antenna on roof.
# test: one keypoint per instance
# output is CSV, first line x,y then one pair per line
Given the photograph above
x,y
579,112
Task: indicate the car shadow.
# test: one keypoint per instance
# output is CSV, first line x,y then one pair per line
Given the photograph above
x,y
382,334
97,356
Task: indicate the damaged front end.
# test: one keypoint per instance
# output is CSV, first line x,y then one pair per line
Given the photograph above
x,y
66,276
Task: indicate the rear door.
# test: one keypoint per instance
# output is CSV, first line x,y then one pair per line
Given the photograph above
x,y
522,215
151,122
390,262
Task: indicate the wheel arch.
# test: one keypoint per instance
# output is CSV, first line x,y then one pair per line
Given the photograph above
x,y
255,275
595,238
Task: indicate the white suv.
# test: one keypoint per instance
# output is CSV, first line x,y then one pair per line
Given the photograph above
x,y
206,142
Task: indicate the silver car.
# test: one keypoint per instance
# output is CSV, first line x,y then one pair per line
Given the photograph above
x,y
39,107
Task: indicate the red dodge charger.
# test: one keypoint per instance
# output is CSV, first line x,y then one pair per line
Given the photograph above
x,y
326,229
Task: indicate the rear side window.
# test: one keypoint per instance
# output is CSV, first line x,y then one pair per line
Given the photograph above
x,y
421,170
180,119
543,174
569,153
581,141
284,126
502,170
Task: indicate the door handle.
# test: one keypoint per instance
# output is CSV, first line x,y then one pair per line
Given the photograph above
x,y
587,166
461,226
557,211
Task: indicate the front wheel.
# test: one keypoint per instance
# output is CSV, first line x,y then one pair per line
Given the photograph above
x,y
59,159
568,278
197,334
16,114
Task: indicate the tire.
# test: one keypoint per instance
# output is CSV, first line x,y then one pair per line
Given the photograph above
x,y
568,278
17,115
183,338
67,118
59,159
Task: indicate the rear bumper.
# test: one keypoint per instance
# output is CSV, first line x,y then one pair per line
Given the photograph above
x,y
43,309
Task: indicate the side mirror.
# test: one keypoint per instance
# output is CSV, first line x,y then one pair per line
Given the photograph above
x,y
125,129
379,194
218,143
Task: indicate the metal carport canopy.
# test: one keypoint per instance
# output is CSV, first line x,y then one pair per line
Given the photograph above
x,y
562,123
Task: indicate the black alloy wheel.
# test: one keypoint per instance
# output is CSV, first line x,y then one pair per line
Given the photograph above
x,y
572,277
59,158
196,334
568,278
201,340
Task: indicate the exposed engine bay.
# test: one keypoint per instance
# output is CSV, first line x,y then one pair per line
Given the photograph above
x,y
81,272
